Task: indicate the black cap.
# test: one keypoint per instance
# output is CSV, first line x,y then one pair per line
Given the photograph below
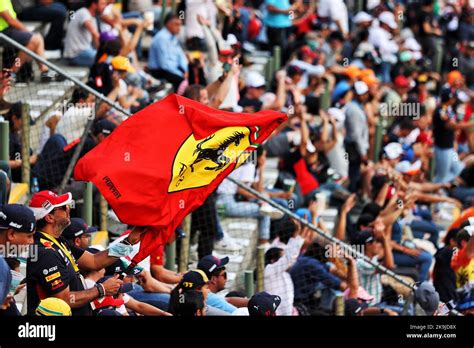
x,y
353,307
17,217
17,109
262,304
194,279
77,228
103,126
294,70
364,220
363,237
210,263
447,94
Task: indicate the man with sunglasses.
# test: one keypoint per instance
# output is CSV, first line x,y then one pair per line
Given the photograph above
x,y
216,272
55,270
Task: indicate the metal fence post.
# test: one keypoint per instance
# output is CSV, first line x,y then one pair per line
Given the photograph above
x,y
378,140
5,144
260,267
103,213
87,204
163,13
249,284
432,167
276,58
184,251
25,149
170,252
173,6
339,304
326,98
269,71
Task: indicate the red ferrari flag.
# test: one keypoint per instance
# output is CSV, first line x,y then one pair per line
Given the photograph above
x,y
164,161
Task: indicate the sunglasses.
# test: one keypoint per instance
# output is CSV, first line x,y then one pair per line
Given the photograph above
x,y
63,208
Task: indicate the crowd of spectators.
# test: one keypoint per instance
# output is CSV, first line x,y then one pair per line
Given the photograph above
x,y
380,103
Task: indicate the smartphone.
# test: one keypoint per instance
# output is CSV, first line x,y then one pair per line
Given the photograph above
x,y
226,67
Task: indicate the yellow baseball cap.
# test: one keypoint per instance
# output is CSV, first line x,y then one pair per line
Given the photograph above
x,y
53,306
122,63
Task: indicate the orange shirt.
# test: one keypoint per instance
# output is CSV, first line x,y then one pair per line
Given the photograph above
x,y
469,212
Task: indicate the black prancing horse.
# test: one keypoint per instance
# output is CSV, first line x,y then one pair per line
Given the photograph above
x,y
216,155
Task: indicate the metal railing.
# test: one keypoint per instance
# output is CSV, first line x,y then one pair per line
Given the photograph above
x,y
272,65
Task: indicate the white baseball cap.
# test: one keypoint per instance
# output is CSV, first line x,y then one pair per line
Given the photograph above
x,y
405,167
231,40
338,114
389,19
361,87
254,79
393,150
362,16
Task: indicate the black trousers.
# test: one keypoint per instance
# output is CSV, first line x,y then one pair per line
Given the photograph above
x,y
204,222
355,161
56,15
175,80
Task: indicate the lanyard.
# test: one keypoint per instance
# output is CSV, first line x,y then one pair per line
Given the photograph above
x,y
64,250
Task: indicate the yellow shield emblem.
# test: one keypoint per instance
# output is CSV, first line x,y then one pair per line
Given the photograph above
x,y
198,162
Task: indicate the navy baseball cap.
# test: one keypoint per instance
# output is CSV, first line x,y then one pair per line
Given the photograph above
x,y
262,304
353,307
103,126
77,228
210,263
447,94
17,217
363,237
194,279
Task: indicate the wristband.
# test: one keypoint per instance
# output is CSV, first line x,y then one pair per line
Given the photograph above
x,y
101,289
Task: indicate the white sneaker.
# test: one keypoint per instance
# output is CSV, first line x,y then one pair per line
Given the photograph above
x,y
227,244
273,213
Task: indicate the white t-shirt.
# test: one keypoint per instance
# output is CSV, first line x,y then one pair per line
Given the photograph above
x,y
277,280
123,88
78,38
204,8
383,40
336,10
73,122
245,173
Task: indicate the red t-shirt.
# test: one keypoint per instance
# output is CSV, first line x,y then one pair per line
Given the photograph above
x,y
467,116
305,179
307,24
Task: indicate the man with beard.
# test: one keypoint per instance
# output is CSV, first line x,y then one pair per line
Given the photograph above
x,y
54,271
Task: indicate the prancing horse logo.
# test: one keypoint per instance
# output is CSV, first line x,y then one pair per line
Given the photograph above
x,y
216,155
197,163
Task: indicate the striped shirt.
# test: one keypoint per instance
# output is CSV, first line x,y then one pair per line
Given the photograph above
x,y
369,279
